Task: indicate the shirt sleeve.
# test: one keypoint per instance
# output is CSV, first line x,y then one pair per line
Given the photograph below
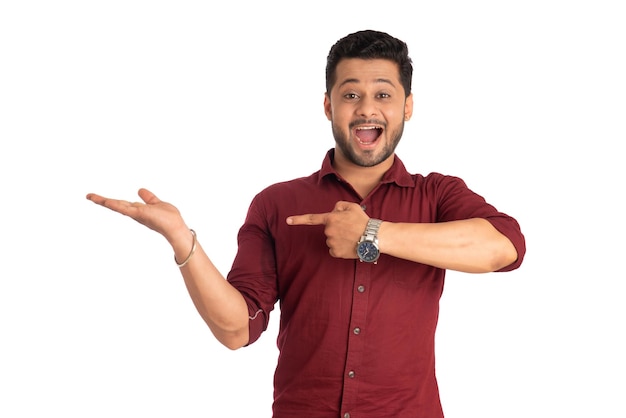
x,y
456,201
254,269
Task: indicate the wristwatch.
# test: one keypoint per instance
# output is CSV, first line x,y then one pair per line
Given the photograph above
x,y
367,247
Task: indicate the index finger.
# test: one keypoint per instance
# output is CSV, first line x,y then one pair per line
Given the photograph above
x,y
308,219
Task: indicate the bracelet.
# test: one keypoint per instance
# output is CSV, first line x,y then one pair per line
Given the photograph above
x,y
193,250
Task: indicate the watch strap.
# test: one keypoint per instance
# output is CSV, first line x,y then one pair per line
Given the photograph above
x,y
371,230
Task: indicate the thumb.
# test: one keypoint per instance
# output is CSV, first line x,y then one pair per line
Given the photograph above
x,y
342,206
148,197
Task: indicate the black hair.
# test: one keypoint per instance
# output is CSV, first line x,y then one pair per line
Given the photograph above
x,y
370,44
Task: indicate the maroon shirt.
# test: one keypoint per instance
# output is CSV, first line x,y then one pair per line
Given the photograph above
x,y
356,339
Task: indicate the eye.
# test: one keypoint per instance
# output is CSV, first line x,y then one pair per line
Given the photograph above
x,y
384,96
350,96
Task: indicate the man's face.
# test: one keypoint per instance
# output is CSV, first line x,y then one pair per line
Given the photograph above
x,y
367,108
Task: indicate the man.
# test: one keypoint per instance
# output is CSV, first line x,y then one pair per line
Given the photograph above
x,y
356,253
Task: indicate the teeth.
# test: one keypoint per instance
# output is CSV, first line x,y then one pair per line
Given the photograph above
x,y
367,127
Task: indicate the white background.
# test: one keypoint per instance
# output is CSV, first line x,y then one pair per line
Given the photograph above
x,y
206,104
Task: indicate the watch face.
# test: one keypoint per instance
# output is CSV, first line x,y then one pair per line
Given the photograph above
x,y
367,251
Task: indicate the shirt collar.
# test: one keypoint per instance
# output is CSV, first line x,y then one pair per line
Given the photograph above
x,y
396,174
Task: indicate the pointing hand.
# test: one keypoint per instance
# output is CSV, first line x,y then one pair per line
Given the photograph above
x,y
343,227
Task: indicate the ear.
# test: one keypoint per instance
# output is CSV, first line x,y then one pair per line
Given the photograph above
x,y
327,107
408,107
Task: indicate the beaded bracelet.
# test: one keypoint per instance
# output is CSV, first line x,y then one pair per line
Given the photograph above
x,y
193,250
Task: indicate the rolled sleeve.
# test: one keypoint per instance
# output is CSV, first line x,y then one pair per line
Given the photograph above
x,y
254,270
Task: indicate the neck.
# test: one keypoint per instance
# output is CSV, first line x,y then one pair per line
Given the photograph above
x,y
362,179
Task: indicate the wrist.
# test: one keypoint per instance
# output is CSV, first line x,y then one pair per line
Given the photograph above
x,y
184,245
178,236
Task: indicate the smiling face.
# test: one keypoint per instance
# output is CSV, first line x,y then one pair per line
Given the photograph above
x,y
367,107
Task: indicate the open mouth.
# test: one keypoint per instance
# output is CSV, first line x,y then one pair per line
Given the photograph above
x,y
367,135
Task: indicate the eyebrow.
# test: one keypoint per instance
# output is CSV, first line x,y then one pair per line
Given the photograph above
x,y
356,80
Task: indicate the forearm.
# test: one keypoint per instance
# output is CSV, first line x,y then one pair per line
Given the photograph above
x,y
471,245
221,306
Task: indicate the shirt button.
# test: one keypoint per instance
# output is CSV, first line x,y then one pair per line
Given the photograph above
x,y
346,415
357,330
351,374
360,289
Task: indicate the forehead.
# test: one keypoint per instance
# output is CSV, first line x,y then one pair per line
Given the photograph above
x,y
372,71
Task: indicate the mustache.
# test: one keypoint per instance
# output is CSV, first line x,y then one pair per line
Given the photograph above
x,y
367,122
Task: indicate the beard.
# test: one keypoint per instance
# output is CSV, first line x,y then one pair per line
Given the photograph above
x,y
367,158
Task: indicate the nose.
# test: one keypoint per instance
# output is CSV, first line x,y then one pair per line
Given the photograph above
x,y
367,107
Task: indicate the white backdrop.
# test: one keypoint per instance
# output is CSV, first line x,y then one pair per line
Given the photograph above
x,y
207,104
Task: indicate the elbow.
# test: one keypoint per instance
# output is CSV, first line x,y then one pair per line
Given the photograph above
x,y
232,331
234,344
233,347
504,256
486,260
232,340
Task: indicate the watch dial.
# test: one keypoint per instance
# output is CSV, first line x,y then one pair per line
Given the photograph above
x,y
367,251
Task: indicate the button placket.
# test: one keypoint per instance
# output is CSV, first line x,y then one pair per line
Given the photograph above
x,y
358,326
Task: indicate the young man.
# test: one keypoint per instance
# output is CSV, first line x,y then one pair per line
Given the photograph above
x,y
356,253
